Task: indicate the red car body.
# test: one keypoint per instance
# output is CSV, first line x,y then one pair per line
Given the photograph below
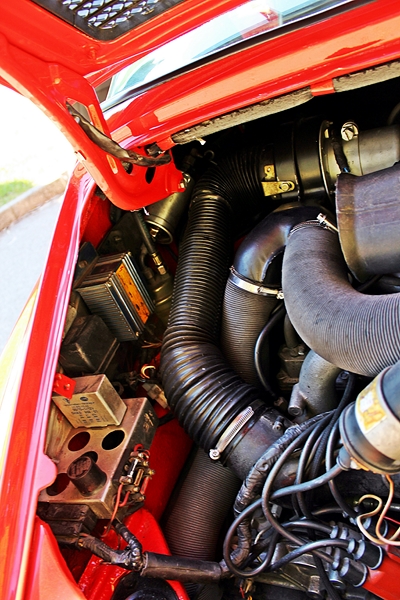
x,y
53,63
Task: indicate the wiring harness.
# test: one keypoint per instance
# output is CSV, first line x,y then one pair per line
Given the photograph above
x,y
274,527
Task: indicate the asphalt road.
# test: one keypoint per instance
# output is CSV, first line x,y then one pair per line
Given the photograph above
x,y
32,149
23,251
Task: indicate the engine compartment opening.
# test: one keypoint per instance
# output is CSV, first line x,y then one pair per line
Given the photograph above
x,y
232,355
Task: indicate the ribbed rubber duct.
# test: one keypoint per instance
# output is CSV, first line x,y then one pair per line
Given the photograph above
x,y
252,290
356,332
204,392
193,526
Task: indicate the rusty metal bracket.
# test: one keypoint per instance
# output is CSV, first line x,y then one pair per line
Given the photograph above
x,y
272,186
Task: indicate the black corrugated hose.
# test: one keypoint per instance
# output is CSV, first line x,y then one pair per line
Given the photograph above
x,y
246,312
204,392
193,526
200,509
356,332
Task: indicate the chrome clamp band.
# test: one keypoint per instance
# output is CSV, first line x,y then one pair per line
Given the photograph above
x,y
320,221
233,429
253,288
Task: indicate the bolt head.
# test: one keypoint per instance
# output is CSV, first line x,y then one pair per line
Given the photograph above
x,y
214,454
348,131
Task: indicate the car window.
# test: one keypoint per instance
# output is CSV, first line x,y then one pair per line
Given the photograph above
x,y
245,21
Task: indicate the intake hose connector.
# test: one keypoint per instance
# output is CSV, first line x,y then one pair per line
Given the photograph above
x,y
354,331
316,392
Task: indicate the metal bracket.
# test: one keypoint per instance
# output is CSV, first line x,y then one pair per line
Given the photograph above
x,y
323,221
64,386
272,187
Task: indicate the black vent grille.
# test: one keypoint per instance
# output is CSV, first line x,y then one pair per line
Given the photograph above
x,y
106,19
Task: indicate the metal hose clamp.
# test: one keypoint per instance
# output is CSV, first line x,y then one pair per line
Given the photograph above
x,y
237,424
252,286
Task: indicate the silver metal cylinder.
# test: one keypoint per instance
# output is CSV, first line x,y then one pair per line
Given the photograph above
x,y
365,151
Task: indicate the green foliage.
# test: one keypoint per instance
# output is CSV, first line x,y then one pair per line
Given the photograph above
x,y
11,189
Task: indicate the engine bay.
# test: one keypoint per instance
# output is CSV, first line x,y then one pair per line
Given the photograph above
x,y
225,419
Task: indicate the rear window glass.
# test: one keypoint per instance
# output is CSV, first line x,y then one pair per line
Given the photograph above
x,y
245,21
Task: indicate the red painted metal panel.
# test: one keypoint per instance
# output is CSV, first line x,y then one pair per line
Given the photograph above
x,y
48,575
384,581
52,71
27,469
357,39
310,57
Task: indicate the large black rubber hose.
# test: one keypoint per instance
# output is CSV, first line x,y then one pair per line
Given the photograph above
x,y
204,392
246,312
193,526
244,316
356,332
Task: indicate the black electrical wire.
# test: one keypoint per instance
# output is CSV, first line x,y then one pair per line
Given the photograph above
x,y
166,419
345,400
111,147
304,456
315,449
226,549
321,450
301,500
264,543
265,331
367,284
337,147
330,447
254,481
267,493
309,547
307,524
264,565
295,524
333,594
326,510
314,526
283,530
306,485
268,545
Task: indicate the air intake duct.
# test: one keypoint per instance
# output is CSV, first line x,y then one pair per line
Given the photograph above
x,y
213,404
254,287
354,331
